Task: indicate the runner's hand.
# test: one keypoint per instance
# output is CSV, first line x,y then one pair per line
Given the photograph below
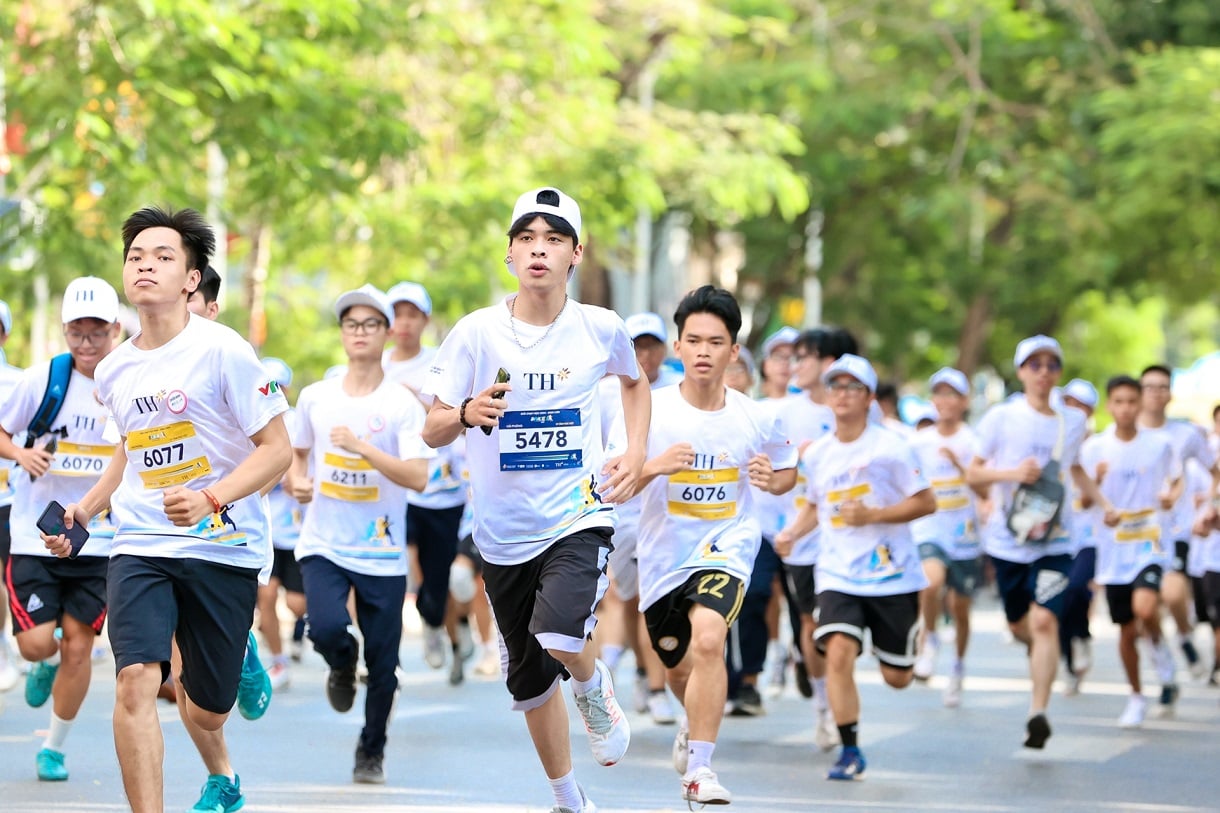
x,y
36,461
185,507
679,457
761,471
621,474
59,545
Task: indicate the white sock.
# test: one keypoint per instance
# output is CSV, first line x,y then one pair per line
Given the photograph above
x,y
932,639
57,733
819,694
586,686
700,756
567,792
611,654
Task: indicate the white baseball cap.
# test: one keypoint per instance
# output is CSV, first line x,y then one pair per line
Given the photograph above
x,y
532,203
6,317
1082,391
785,335
279,371
854,366
923,412
647,324
365,295
954,378
1036,344
411,292
90,298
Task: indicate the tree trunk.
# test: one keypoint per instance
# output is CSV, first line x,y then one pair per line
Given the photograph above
x,y
972,339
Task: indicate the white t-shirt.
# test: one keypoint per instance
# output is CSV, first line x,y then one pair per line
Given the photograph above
x,y
1190,443
1084,522
703,519
1137,473
286,512
1010,433
445,488
954,524
357,517
187,410
1204,552
82,454
534,478
879,469
9,376
806,421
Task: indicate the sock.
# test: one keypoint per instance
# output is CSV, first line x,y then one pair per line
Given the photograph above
x,y
959,667
655,692
567,792
819,694
280,660
848,734
57,733
932,639
700,754
611,653
586,686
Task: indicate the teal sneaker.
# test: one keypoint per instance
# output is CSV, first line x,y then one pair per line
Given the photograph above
x,y
254,690
219,795
38,683
50,766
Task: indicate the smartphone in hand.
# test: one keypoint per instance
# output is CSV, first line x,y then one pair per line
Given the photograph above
x,y
502,377
51,523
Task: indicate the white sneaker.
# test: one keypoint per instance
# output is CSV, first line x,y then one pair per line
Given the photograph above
x,y
826,733
586,805
640,694
1082,655
1162,659
1133,714
9,674
953,692
280,675
775,669
704,787
607,727
925,664
681,749
434,646
489,664
465,641
659,707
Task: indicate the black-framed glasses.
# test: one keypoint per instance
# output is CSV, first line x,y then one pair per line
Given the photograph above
x,y
850,385
97,338
367,326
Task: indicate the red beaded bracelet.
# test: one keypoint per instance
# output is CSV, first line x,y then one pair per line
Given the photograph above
x,y
212,497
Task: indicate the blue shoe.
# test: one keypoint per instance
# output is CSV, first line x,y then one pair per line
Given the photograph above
x,y
50,766
38,683
850,766
254,690
219,795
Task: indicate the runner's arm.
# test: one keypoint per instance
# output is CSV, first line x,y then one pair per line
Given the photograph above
x,y
624,471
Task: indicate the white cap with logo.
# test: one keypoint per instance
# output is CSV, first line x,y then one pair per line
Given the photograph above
x,y
785,335
647,324
1036,344
953,377
365,295
854,366
411,292
557,203
278,370
1082,391
90,298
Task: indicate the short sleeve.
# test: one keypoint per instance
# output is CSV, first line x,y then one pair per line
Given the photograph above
x,y
450,377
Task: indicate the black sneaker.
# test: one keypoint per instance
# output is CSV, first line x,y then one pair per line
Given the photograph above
x,y
1169,696
748,702
802,677
456,675
368,770
1037,731
341,688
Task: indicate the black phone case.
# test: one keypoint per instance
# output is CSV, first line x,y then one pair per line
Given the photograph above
x,y
51,523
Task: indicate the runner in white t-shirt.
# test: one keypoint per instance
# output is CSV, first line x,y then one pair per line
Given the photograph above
x,y
948,539
200,435
524,374
865,488
360,432
1075,640
699,535
9,376
1018,440
61,465
1140,476
1205,557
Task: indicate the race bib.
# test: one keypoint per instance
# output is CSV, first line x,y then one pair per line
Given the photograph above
x,y
801,490
540,439
351,479
836,499
168,455
704,493
1138,526
80,459
952,494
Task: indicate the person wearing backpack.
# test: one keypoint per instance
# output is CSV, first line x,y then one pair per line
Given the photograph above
x,y
63,455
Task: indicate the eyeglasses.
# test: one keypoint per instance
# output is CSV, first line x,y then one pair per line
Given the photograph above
x,y
1158,387
97,338
786,358
838,385
1048,366
800,357
367,326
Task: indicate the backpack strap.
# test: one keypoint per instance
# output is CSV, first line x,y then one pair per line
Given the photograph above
x,y
58,378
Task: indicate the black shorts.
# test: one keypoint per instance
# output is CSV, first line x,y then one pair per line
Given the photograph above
x,y
801,586
207,606
1118,596
6,534
43,589
1181,554
1198,592
893,622
668,619
286,568
1043,582
1211,597
547,603
466,547
428,524
961,575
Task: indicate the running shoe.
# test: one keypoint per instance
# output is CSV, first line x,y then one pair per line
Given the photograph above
x,y
1133,714
800,676
456,673
489,664
704,787
607,727
660,709
38,683
586,805
1037,731
640,693
748,702
681,749
850,766
1082,655
369,769
465,640
1169,699
280,675
775,669
1163,662
434,646
925,664
341,687
219,795
953,691
50,766
826,732
254,690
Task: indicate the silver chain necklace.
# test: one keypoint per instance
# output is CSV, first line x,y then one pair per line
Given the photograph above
x,y
512,323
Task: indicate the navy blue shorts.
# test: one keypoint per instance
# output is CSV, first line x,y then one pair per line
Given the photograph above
x,y
1043,582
